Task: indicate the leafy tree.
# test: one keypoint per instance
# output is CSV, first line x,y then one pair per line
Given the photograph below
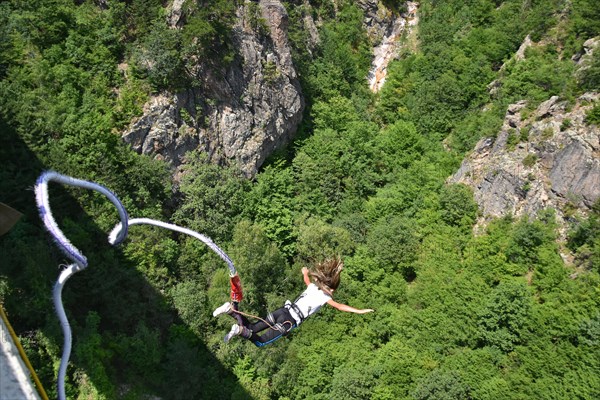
x,y
270,203
95,358
394,244
353,383
261,265
160,57
540,75
189,298
504,319
457,206
257,387
318,240
584,240
344,60
442,385
584,23
400,145
182,360
526,239
213,197
143,352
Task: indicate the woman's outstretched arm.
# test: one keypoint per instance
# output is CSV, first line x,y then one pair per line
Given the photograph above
x,y
305,275
347,308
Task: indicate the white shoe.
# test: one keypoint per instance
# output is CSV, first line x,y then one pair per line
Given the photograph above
x,y
225,308
235,331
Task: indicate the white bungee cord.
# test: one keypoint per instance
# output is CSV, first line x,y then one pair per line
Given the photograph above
x,y
79,260
117,235
117,232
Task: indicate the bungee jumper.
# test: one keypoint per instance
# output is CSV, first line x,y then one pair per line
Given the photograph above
x,y
319,291
326,275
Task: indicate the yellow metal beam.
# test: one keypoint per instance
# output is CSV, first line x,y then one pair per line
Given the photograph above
x,y
17,343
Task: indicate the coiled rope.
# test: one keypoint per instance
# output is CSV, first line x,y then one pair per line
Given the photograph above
x,y
79,260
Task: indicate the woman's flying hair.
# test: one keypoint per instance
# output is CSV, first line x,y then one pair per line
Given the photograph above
x,y
326,273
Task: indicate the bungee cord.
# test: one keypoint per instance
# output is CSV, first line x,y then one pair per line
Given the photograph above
x,y
41,197
79,260
116,236
118,229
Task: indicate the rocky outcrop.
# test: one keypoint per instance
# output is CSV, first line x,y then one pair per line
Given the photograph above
x,y
386,29
588,49
240,113
545,159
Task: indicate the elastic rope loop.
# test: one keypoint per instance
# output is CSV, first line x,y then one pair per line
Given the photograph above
x,y
41,197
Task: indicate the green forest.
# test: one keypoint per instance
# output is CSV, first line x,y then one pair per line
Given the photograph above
x,y
496,315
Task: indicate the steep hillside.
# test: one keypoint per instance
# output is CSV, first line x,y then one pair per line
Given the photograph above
x,y
547,158
240,111
545,155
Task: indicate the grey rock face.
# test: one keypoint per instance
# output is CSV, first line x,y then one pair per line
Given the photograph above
x,y
554,161
385,30
240,113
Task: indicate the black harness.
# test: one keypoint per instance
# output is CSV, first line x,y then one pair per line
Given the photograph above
x,y
293,306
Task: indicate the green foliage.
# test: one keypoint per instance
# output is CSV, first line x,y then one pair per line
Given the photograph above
x,y
137,18
183,359
94,357
441,385
584,240
318,240
132,97
393,243
527,237
263,264
457,206
540,75
206,31
160,57
257,387
335,165
494,315
592,116
167,56
213,197
530,160
189,298
584,23
142,351
400,145
474,126
504,319
344,56
354,383
270,204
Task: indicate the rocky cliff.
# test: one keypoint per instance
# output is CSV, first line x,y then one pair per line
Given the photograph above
x,y
545,158
549,158
243,111
387,28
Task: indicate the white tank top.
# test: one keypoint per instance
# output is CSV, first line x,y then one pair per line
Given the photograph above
x,y
309,302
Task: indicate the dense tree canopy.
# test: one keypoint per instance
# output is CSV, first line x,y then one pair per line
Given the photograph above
x,y
497,315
